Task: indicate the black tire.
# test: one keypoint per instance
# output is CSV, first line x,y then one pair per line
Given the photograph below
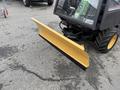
x,y
50,2
5,13
103,40
27,3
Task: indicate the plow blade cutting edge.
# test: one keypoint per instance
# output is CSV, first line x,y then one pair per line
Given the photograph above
x,y
74,50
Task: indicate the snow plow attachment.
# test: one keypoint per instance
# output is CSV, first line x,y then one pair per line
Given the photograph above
x,y
74,50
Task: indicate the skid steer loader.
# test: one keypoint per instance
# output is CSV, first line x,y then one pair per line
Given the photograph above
x,y
84,20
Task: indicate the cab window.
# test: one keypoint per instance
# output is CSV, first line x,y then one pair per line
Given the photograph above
x,y
86,11
114,5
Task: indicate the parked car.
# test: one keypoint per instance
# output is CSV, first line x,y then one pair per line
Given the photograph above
x,y
27,3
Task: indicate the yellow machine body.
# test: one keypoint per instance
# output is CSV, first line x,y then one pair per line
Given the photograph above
x,y
71,48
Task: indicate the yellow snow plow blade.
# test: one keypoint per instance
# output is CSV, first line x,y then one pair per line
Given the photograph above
x,y
68,46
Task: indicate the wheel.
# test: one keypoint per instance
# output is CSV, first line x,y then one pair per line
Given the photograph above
x,y
106,40
5,13
50,2
26,3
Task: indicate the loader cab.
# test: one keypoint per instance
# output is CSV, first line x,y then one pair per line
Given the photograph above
x,y
111,14
93,14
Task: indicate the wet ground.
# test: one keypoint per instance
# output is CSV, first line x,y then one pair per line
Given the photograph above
x,y
27,62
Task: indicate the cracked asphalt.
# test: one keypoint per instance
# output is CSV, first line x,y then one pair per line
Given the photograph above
x,y
27,62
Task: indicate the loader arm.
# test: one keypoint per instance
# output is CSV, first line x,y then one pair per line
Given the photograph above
x,y
74,50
